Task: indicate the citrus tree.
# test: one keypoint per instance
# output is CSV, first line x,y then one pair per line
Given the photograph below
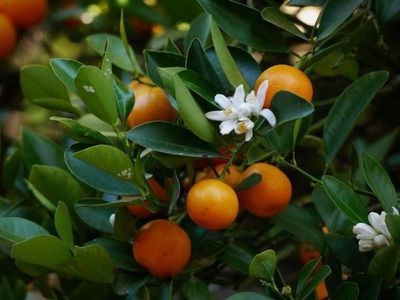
x,y
194,169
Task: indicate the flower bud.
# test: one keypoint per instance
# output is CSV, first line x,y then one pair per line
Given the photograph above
x,y
364,231
365,245
395,211
380,241
112,220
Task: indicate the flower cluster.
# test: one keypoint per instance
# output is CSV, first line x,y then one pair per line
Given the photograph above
x,y
375,235
237,111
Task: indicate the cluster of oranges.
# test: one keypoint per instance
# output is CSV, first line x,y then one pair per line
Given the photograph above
x,y
161,246
18,14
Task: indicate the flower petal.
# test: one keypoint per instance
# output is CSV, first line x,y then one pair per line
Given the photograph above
x,y
262,93
362,228
217,115
244,110
365,245
380,241
249,135
227,126
395,211
269,115
238,97
222,101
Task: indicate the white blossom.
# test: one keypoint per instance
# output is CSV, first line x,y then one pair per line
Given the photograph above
x,y
112,219
236,111
375,234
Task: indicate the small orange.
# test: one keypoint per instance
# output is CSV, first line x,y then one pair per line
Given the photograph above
x,y
151,104
232,176
205,162
162,248
285,78
268,197
212,204
8,36
24,13
142,210
308,252
322,292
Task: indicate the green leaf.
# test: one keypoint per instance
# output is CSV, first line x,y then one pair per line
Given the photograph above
x,y
117,52
199,29
49,181
42,87
16,229
305,274
108,159
245,24
95,177
39,150
97,92
66,70
175,193
93,263
380,182
125,283
263,265
330,214
307,2
393,224
239,256
12,164
346,290
169,138
249,296
43,250
160,59
321,274
334,14
125,98
274,16
5,289
195,289
344,197
384,264
124,225
63,224
191,113
79,132
249,182
228,65
369,286
41,198
347,108
299,222
336,64
289,107
386,10
96,217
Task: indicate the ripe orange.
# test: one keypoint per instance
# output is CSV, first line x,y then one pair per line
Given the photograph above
x,y
225,151
151,104
322,292
8,36
285,78
268,197
142,210
308,252
212,204
24,13
162,247
232,176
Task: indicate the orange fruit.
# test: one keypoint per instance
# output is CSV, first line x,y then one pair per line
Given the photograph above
x,y
268,197
141,28
212,204
232,176
224,151
24,13
162,248
285,78
322,292
151,104
142,210
308,252
8,36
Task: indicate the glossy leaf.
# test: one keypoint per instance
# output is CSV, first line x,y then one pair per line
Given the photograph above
x,y
249,182
97,92
347,109
191,113
66,71
15,229
96,217
125,98
393,224
249,296
125,283
240,21
346,290
263,265
124,225
386,10
299,222
195,289
384,264
334,14
239,256
171,139
63,224
319,276
226,60
380,182
199,29
95,177
344,197
274,16
43,250
305,274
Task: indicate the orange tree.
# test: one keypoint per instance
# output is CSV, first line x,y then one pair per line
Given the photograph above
x,y
195,171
